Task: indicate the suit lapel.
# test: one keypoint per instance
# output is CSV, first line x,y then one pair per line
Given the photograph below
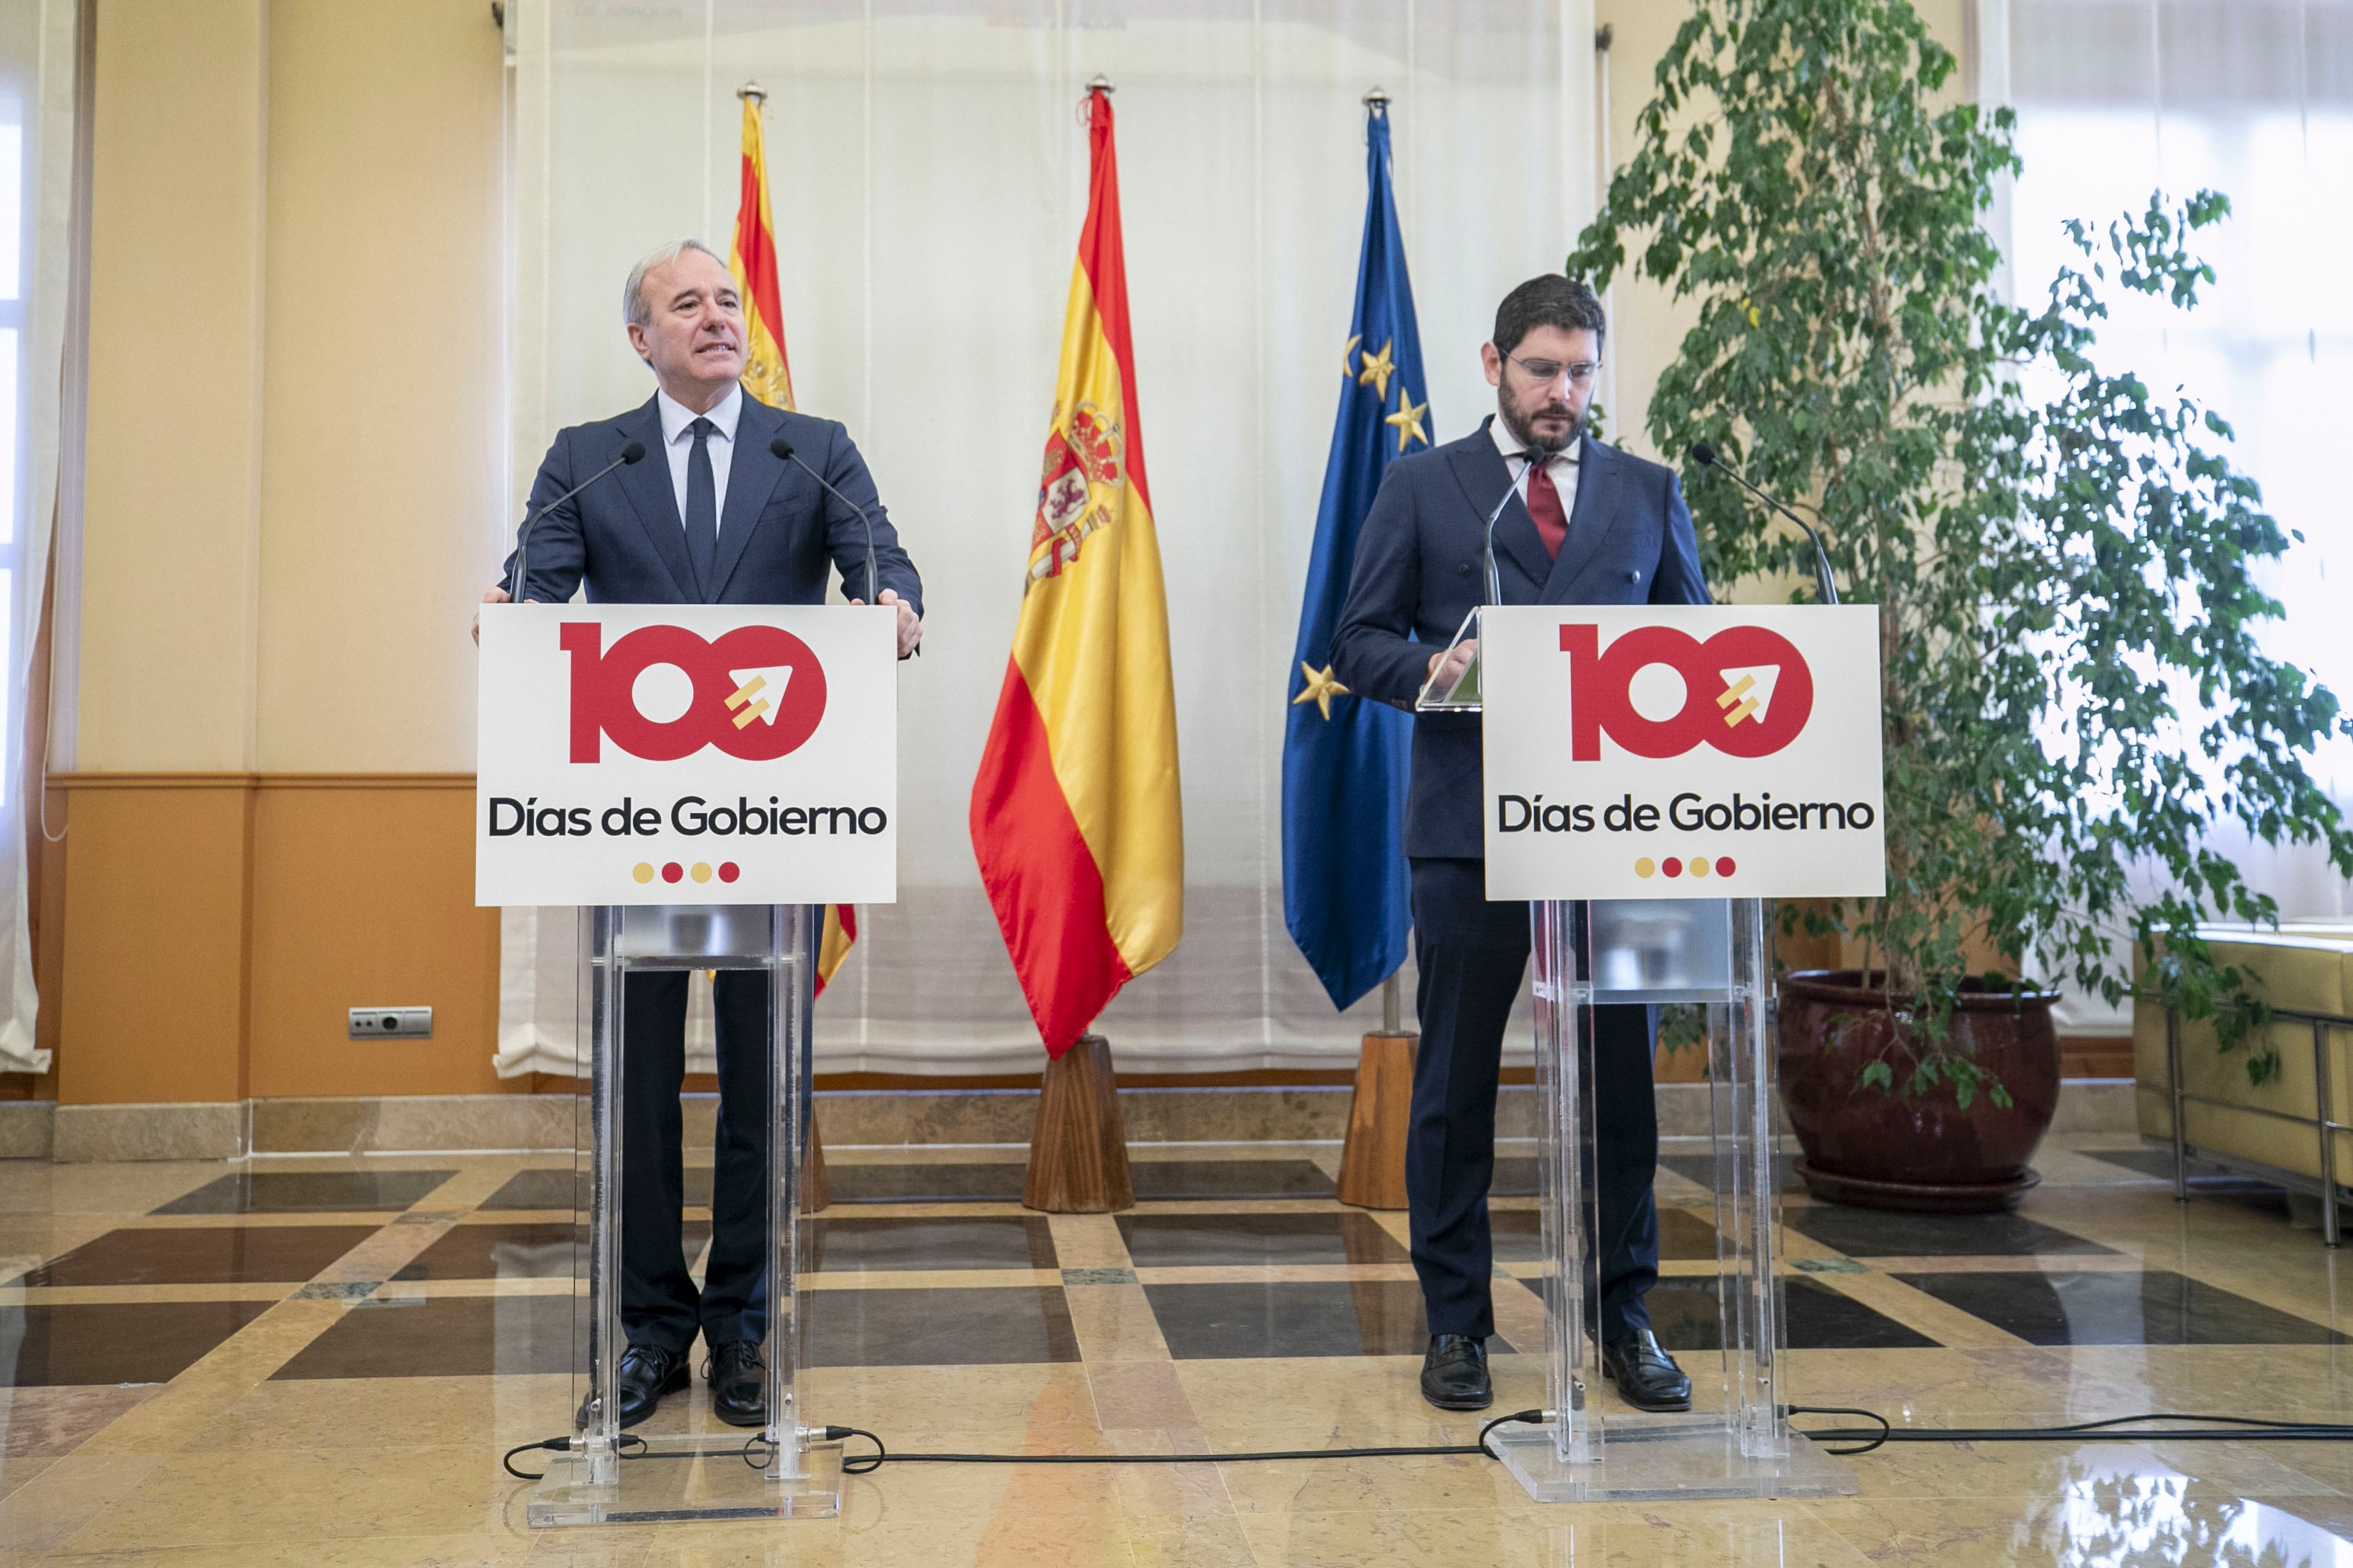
x,y
647,484
1598,494
1484,477
751,475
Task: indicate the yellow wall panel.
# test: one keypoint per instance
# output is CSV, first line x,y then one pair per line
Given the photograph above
x,y
171,511
363,896
156,942
383,425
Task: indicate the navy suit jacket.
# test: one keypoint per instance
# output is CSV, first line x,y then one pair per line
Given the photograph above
x,y
1417,573
778,527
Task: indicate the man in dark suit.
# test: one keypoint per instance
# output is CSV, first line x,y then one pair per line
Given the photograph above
x,y
1586,524
712,517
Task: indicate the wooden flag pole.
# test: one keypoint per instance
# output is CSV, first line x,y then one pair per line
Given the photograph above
x,y
1380,1112
1078,1151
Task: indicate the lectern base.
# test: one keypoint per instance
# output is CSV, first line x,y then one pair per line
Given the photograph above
x,y
1684,1459
682,1479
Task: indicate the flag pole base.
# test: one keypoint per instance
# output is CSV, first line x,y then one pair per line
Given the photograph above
x,y
1372,1161
1078,1152
816,1193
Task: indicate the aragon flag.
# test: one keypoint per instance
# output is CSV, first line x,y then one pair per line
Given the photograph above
x,y
767,374
1076,818
1343,759
768,377
834,943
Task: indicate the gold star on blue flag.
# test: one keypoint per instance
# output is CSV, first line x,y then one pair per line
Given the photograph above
x,y
1322,689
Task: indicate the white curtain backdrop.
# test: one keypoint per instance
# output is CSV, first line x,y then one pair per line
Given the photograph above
x,y
2254,98
37,73
927,167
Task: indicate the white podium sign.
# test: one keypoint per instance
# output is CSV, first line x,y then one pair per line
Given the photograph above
x,y
1682,751
687,754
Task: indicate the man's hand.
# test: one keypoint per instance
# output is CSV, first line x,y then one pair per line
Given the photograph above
x,y
911,624
495,596
1447,668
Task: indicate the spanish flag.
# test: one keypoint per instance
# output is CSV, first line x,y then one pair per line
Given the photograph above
x,y
768,377
753,259
1076,818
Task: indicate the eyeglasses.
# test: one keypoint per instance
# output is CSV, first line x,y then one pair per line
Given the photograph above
x,y
1544,371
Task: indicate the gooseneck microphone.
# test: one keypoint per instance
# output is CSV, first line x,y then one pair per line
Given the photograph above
x,y
1495,582
785,453
1705,457
634,452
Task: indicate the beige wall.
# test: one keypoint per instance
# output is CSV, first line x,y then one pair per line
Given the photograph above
x,y
383,428
172,517
295,383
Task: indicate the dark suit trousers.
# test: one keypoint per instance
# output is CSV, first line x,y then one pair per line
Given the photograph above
x,y
660,1305
1471,955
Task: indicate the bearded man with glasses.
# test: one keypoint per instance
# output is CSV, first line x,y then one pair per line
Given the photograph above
x,y
1582,523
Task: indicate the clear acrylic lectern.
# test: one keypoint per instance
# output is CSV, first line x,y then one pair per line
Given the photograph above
x,y
681,1465
1713,955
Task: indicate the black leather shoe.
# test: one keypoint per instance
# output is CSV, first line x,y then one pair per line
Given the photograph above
x,y
1454,1372
647,1372
739,1384
1646,1376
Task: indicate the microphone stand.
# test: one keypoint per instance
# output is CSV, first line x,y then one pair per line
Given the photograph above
x,y
784,450
1828,590
521,576
1495,579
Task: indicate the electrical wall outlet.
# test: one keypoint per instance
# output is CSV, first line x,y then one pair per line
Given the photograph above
x,y
392,1023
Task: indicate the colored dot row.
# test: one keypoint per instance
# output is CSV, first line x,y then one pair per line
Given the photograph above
x,y
1699,866
701,871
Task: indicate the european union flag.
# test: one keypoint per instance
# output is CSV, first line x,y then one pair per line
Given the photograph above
x,y
1343,759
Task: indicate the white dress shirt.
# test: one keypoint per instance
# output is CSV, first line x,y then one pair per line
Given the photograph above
x,y
678,443
1562,467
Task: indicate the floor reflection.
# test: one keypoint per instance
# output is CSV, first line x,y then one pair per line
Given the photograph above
x,y
2115,1511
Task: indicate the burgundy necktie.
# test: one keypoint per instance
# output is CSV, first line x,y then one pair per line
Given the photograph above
x,y
1543,504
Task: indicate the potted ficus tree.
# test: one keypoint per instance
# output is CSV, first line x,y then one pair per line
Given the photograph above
x,y
2061,554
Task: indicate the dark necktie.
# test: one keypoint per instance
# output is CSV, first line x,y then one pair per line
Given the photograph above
x,y
703,509
1544,503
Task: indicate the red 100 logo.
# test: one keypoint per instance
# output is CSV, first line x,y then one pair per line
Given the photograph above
x,y
1746,691
759,692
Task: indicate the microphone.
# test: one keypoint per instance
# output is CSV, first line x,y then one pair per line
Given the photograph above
x,y
785,453
634,452
1704,455
1495,582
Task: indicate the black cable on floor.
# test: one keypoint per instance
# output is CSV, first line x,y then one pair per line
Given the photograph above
x,y
2242,1428
746,1452
560,1446
2239,1429
1789,1410
866,1464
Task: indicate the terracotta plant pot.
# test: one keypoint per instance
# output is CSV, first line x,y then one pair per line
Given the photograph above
x,y
1924,1155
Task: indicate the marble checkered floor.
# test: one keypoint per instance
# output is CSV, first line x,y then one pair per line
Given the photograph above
x,y
318,1362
